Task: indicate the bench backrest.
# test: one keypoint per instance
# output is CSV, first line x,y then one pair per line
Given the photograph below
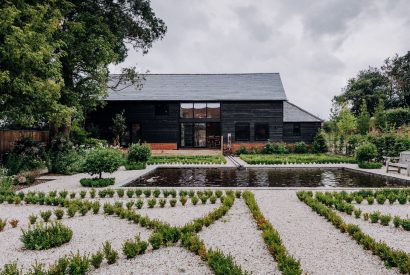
x,y
405,157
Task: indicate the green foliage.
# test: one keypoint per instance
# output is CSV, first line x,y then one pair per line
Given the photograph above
x,y
187,159
130,193
135,165
152,202
63,157
173,202
370,165
301,148
380,120
11,269
363,120
397,117
78,264
97,182
223,265
366,152
296,158
42,236
346,122
32,219
139,203
109,253
132,248
59,213
45,215
3,224
96,259
119,127
102,160
156,240
139,153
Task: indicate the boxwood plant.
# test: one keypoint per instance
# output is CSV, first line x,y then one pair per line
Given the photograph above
x,y
41,236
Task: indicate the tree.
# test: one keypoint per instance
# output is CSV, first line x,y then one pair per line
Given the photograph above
x,y
380,116
96,34
369,85
363,120
346,122
397,69
30,79
119,127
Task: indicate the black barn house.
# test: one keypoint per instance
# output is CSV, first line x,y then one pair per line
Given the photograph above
x,y
174,111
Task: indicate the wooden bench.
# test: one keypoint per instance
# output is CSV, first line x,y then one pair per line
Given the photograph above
x,y
402,163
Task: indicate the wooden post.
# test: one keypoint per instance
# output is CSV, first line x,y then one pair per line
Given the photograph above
x,y
222,145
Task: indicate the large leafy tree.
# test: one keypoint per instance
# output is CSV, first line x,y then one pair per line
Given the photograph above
x,y
96,33
30,79
397,69
368,86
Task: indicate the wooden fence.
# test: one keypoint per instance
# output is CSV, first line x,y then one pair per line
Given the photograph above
x,y
9,137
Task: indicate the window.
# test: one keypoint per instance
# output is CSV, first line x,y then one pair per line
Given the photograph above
x,y
187,134
161,109
199,110
261,131
242,132
296,129
186,110
213,110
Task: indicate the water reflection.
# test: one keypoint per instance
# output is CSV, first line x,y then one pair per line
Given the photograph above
x,y
230,177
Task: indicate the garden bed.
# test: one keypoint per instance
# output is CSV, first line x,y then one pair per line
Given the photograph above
x,y
255,159
218,159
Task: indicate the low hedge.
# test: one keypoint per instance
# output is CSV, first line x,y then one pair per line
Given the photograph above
x,y
287,264
370,165
390,256
97,182
135,165
219,159
46,236
296,159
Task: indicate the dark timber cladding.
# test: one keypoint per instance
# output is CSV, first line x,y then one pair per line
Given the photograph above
x,y
195,110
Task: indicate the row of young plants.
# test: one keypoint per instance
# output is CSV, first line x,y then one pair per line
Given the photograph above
x,y
163,235
296,159
381,196
3,223
374,217
391,257
286,263
217,159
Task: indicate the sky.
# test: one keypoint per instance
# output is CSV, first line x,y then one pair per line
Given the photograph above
x,y
316,46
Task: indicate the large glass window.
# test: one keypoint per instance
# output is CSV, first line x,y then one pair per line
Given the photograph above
x,y
187,110
242,132
213,110
187,134
199,135
261,131
200,110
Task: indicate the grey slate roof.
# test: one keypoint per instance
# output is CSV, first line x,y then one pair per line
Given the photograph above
x,y
204,87
293,113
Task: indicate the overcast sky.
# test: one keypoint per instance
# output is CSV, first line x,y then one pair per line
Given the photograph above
x,y
316,46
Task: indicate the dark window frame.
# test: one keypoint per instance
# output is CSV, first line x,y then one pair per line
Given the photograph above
x,y
160,110
243,124
266,126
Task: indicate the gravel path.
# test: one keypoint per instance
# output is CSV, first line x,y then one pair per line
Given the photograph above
x,y
89,232
236,234
21,213
394,209
169,260
180,215
321,248
395,237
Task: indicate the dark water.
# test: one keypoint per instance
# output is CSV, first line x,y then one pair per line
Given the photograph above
x,y
258,177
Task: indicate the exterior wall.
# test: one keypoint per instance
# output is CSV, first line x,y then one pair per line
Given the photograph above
x,y
308,131
252,112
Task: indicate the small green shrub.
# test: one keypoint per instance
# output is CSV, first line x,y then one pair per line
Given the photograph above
x,y
120,193
397,221
392,198
42,236
218,193
366,152
129,205
183,200
162,203
156,193
96,207
357,213
109,253
402,198
3,224
301,148
139,203
204,199
221,264
380,198
138,192
374,217
93,193
32,219
385,219
132,248
59,213
139,153
45,215
212,199
71,211
173,202
156,240
319,144
147,193
152,202
130,193
102,160
96,259
370,165
194,200
83,193
370,200
97,182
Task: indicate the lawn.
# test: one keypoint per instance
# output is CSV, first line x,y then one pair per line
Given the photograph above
x,y
295,158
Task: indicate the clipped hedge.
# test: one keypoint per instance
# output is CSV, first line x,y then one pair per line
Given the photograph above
x,y
97,182
296,159
287,264
46,236
219,159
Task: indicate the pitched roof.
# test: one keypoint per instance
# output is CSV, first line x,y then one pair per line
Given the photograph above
x,y
203,87
293,113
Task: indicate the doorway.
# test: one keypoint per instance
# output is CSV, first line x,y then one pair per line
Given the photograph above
x,y
200,135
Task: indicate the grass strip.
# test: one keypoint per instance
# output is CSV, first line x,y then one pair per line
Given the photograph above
x,y
286,263
218,159
391,257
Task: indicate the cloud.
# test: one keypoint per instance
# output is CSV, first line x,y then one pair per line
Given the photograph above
x,y
315,45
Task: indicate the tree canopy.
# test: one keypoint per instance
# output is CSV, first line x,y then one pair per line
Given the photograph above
x,y
54,55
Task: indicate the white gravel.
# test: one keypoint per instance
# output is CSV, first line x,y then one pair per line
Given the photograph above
x,y
169,260
394,209
236,234
89,233
321,248
395,237
21,213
